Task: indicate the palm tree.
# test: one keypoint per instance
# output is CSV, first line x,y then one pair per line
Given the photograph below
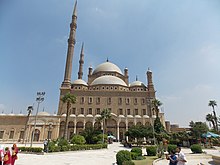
x,y
210,118
213,103
29,110
105,114
69,99
156,103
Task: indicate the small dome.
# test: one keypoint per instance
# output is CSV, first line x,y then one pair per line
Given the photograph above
x,y
137,116
72,115
43,114
89,115
113,114
129,116
63,115
81,115
137,83
79,82
146,116
97,115
121,116
108,80
107,67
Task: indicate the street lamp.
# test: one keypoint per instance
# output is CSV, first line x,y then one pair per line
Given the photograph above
x,y
29,110
151,120
39,99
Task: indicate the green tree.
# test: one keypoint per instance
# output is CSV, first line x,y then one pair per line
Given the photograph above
x,y
105,115
210,118
139,132
69,99
90,134
158,126
213,104
156,104
198,128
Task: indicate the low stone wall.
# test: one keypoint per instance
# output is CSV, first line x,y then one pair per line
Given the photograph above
x,y
216,158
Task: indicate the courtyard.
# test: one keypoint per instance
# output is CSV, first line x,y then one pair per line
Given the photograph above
x,y
103,156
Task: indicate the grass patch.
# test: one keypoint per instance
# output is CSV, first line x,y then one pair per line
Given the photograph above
x,y
148,161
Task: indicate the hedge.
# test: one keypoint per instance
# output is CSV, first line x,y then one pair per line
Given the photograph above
x,y
137,150
77,147
196,148
171,147
123,156
151,150
31,149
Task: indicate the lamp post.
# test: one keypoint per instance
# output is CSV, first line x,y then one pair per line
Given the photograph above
x,y
151,120
49,135
39,99
29,110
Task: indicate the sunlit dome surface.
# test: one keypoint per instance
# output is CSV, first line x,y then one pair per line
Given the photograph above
x,y
137,83
108,80
43,114
80,82
107,67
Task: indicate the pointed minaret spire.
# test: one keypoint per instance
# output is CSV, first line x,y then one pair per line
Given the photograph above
x,y
81,62
71,44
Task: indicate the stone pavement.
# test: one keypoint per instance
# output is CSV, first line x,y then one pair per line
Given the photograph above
x,y
195,159
92,157
102,157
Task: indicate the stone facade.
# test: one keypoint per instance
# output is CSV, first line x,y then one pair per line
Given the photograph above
x,y
106,87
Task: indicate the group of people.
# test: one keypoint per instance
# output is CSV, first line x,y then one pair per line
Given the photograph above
x,y
8,156
177,157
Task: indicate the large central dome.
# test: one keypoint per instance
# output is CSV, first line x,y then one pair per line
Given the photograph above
x,y
108,80
107,67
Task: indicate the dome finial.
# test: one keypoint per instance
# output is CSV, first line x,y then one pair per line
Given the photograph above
x,y
107,59
136,78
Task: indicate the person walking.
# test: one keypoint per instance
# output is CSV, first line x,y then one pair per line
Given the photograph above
x,y
172,157
1,154
14,155
181,158
7,157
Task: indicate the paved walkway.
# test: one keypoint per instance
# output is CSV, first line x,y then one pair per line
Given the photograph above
x,y
195,159
92,157
102,157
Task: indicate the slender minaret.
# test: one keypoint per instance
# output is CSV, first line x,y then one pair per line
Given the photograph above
x,y
71,43
81,62
150,84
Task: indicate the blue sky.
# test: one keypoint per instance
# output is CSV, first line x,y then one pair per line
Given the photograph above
x,y
178,40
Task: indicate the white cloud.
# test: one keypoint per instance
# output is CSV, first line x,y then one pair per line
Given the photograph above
x,y
190,104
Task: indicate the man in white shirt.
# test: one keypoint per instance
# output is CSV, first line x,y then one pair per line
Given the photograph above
x,y
181,158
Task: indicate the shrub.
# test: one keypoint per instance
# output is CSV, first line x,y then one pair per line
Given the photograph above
x,y
78,139
128,163
122,156
151,150
171,147
31,149
64,148
134,155
137,150
196,148
62,142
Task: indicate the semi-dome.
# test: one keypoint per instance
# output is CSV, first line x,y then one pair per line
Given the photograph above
x,y
137,83
43,114
108,80
80,82
107,67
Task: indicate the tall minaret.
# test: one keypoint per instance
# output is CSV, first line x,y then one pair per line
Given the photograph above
x,y
81,62
150,84
71,43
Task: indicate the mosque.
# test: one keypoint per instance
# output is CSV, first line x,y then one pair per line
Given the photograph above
x,y
106,87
